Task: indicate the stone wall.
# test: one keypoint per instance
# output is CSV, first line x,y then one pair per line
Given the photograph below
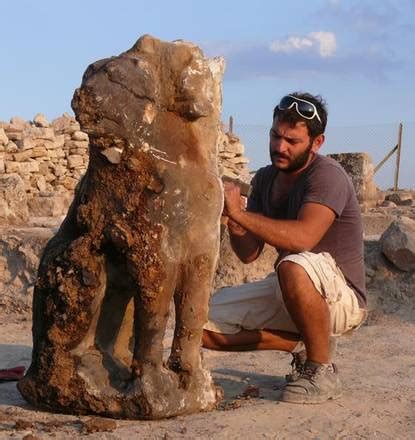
x,y
45,160
50,157
42,162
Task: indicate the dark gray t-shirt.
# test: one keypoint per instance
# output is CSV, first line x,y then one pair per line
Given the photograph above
x,y
324,181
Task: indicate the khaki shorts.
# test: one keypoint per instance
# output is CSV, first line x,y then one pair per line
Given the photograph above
x,y
259,305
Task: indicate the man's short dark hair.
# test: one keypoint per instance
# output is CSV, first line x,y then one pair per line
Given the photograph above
x,y
291,117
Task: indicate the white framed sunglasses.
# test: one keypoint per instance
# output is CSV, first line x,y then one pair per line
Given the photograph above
x,y
305,109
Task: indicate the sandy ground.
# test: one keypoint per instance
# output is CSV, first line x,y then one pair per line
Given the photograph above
x,y
377,365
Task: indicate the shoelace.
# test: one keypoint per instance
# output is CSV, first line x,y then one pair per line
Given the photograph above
x,y
308,372
297,362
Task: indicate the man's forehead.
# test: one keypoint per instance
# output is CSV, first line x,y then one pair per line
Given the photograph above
x,y
300,127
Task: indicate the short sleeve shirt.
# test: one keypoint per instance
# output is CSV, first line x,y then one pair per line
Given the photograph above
x,y
324,181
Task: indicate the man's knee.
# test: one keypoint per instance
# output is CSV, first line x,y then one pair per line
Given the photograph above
x,y
289,272
294,281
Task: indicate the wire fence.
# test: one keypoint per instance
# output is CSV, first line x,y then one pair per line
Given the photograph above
x,y
376,140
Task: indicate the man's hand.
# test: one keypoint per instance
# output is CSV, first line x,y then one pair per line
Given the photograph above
x,y
246,246
235,228
234,202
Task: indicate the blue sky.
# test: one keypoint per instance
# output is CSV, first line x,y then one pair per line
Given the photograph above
x,y
357,54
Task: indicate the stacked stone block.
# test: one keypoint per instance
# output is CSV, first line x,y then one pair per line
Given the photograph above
x,y
232,161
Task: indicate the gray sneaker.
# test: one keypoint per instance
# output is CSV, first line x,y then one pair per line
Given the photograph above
x,y
299,358
317,383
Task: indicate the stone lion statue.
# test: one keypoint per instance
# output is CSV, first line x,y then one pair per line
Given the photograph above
x,y
143,229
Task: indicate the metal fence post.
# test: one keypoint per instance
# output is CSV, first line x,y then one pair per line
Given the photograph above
x,y
398,158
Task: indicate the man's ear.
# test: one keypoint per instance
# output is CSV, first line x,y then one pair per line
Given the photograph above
x,y
318,142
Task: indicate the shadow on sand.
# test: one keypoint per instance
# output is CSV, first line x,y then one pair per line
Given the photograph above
x,y
236,382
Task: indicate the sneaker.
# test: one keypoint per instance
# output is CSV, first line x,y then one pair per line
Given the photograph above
x,y
299,358
317,383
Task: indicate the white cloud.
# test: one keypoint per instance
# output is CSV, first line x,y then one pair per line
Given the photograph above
x,y
323,42
327,41
291,44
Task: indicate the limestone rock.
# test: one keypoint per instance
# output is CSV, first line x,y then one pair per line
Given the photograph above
x,y
29,167
77,173
12,167
61,123
399,198
11,147
75,161
359,167
79,136
23,155
39,133
13,200
398,244
234,147
227,172
41,121
59,153
65,124
41,183
225,155
376,223
137,233
388,204
4,140
25,143
59,170
39,151
238,160
20,250
387,286
18,123
58,143
51,206
14,133
49,177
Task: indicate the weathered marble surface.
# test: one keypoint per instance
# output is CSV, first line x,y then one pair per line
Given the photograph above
x,y
143,227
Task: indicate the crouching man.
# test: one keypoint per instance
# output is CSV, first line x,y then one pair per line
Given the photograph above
x,y
305,206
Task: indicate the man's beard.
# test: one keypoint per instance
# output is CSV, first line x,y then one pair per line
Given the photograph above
x,y
297,163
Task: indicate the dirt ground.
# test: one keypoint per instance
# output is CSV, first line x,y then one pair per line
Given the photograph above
x,y
377,365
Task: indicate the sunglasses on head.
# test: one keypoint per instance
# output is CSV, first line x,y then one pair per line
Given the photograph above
x,y
305,109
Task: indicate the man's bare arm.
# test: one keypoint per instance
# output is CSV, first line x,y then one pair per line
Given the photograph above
x,y
298,235
245,244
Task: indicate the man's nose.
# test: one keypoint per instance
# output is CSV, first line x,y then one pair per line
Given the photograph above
x,y
279,145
